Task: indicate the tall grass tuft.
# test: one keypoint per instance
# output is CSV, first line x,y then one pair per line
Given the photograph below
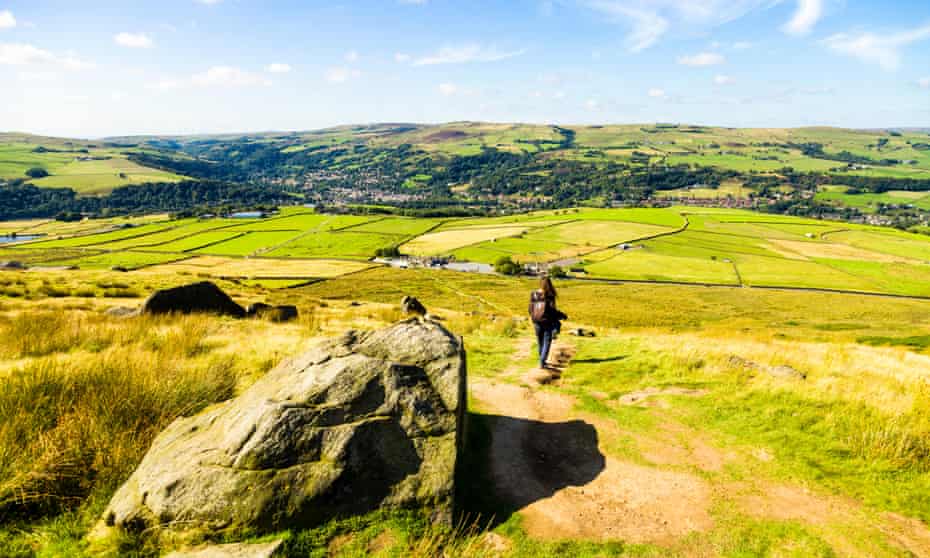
x,y
70,427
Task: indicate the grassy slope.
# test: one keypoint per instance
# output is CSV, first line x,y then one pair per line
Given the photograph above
x,y
108,168
853,429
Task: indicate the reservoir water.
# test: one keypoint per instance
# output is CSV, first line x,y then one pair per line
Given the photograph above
x,y
4,239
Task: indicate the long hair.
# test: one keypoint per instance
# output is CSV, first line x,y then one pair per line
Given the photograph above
x,y
545,285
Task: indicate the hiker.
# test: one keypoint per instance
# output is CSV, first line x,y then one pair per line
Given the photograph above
x,y
547,319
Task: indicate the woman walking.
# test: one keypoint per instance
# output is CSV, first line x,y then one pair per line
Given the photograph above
x,y
547,319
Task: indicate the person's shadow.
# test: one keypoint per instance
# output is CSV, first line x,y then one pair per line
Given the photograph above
x,y
510,463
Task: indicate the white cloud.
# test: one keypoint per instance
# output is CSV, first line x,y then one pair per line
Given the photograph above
x,y
650,20
884,50
558,95
466,53
924,83
209,2
702,59
7,21
341,75
721,79
133,40
647,26
18,54
351,56
401,58
448,89
805,17
592,104
742,45
657,93
278,68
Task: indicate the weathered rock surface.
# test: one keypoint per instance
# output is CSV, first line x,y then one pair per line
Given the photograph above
x,y
364,421
198,297
12,265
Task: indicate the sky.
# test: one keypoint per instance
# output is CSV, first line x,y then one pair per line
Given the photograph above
x,y
100,68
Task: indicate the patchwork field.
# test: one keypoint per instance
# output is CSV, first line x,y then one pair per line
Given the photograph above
x,y
678,244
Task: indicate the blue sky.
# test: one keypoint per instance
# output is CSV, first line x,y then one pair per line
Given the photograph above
x,y
96,68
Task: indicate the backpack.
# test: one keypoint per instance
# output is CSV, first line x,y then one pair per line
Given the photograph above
x,y
539,306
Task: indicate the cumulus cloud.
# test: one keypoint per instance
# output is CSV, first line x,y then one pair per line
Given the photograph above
x,y
448,89
656,93
351,56
18,54
873,48
924,83
805,17
209,2
702,59
133,40
7,21
402,58
278,68
721,79
341,74
466,53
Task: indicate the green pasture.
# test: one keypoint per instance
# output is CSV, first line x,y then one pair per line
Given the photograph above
x,y
95,172
249,243
189,243
102,238
646,265
398,226
126,260
345,244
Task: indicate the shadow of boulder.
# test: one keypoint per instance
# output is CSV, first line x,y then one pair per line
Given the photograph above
x,y
511,463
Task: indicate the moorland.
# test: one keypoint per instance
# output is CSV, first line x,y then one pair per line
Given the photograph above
x,y
770,372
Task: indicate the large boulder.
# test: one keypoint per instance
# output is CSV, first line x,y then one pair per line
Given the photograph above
x,y
198,297
365,421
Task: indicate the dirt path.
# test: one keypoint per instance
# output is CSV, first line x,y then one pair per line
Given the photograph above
x,y
551,463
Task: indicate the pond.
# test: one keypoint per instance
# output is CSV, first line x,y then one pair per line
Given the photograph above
x,y
4,239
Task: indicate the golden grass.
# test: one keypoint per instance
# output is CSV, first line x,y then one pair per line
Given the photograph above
x,y
836,251
213,266
448,241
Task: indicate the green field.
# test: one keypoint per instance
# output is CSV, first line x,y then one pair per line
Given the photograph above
x,y
249,243
97,171
676,244
347,244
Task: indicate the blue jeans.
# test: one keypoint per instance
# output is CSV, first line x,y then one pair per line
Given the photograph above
x,y
544,340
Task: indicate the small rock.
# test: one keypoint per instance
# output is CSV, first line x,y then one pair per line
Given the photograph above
x,y
119,269
785,371
581,332
12,265
122,312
